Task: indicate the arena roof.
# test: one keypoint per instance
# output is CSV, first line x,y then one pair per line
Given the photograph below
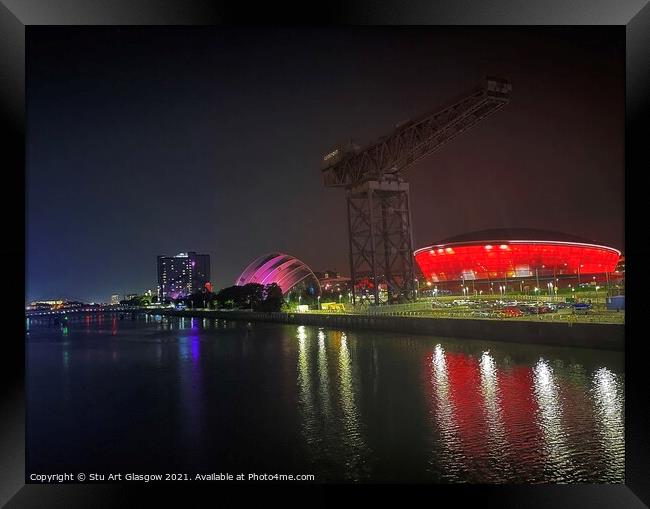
x,y
507,253
283,269
514,233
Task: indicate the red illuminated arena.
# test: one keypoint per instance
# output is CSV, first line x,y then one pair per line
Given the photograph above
x,y
500,255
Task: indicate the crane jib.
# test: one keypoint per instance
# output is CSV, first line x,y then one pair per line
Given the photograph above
x,y
378,203
350,165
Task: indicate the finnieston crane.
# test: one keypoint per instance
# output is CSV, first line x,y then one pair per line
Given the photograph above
x,y
379,214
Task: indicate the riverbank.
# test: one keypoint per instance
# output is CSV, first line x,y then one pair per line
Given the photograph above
x,y
581,335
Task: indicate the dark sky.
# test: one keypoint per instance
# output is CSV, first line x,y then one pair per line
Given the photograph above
x,y
147,141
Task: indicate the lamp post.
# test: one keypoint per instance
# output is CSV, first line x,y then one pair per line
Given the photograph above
x,y
318,298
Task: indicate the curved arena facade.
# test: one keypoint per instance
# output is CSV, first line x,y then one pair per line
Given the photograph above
x,y
285,270
503,254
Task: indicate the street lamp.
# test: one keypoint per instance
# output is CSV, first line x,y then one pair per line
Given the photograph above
x,y
318,298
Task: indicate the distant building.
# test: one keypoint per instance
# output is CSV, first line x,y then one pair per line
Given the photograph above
x,y
516,257
47,303
115,299
327,274
130,296
55,304
183,274
335,286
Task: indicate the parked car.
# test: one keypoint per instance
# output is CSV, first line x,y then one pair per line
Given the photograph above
x,y
582,307
511,311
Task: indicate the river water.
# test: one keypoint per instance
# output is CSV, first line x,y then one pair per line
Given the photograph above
x,y
166,394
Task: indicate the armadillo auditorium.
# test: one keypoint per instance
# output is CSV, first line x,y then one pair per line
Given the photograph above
x,y
514,256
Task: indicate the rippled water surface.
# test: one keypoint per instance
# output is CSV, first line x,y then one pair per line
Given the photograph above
x,y
202,395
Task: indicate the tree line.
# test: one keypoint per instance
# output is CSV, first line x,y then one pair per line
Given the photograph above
x,y
253,296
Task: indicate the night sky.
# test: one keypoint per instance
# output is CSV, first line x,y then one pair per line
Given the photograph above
x,y
147,141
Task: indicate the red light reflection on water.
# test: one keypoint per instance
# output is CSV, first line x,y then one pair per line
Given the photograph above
x,y
479,411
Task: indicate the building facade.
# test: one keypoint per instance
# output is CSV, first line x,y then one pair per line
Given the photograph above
x,y
515,257
293,276
182,274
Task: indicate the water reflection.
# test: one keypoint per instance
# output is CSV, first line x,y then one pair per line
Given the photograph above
x,y
441,410
191,385
305,399
549,419
352,436
323,375
330,421
496,434
609,410
448,453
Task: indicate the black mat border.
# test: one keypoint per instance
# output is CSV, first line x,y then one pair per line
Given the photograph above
x,y
13,23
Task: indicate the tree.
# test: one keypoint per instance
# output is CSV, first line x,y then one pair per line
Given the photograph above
x,y
199,299
227,298
253,296
273,298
